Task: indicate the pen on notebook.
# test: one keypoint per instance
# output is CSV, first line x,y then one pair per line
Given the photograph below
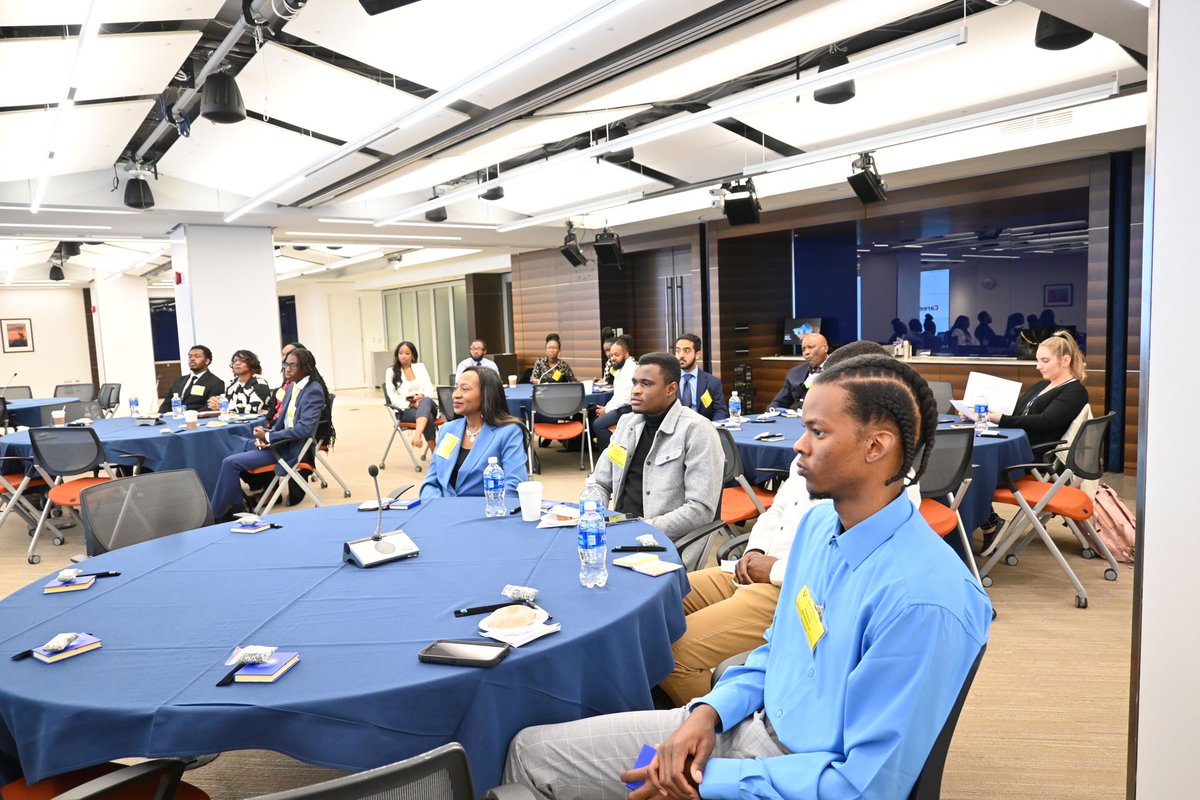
x,y
640,548
99,575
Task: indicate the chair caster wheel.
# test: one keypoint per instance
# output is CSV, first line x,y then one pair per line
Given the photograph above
x,y
993,613
58,540
418,468
324,485
345,494
1088,553
1080,602
1011,559
986,580
382,465
1110,574
35,559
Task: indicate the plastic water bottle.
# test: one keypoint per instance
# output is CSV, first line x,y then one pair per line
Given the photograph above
x,y
133,407
591,491
176,406
493,489
223,404
735,407
593,547
981,411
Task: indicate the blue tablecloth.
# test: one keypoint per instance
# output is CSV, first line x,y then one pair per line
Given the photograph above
x,y
29,412
202,449
359,698
990,454
520,398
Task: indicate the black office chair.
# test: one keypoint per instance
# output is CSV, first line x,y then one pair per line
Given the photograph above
x,y
17,393
161,779
943,392
445,396
441,773
948,475
110,398
565,406
132,510
84,391
929,782
696,546
3,416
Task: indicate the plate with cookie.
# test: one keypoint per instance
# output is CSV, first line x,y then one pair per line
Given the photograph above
x,y
513,619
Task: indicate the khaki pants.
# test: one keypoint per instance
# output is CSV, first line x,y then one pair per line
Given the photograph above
x,y
722,621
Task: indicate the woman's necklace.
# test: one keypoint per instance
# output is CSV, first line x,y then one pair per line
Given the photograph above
x,y
471,434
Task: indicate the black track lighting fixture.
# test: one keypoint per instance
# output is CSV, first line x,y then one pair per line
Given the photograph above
x,y
608,249
137,188
741,203
570,248
68,249
838,92
1053,33
866,181
495,192
616,131
222,100
56,270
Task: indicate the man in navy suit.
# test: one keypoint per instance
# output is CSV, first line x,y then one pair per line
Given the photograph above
x,y
698,390
299,414
814,348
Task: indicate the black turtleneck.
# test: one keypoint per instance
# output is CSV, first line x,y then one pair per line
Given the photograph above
x,y
630,501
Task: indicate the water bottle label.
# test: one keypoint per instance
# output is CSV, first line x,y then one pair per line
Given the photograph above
x,y
491,483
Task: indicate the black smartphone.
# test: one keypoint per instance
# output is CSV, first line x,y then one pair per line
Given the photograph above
x,y
465,652
761,421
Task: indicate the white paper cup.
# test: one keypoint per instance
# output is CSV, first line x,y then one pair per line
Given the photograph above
x,y
59,417
512,380
587,386
529,494
191,419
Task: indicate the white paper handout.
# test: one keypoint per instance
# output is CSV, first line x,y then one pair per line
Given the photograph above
x,y
1001,394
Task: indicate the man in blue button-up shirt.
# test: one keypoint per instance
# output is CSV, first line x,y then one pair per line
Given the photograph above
x,y
877,626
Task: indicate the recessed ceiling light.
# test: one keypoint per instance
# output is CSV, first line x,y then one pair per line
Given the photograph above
x,y
68,227
64,210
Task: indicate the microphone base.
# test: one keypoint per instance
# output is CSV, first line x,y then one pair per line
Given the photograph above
x,y
369,552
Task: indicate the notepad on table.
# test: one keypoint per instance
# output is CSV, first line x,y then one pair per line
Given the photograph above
x,y
82,644
647,564
55,586
258,527
633,559
269,671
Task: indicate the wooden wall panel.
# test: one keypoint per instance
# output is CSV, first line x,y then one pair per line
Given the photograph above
x,y
549,295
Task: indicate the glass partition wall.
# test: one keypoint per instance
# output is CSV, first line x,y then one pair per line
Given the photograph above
x,y
434,318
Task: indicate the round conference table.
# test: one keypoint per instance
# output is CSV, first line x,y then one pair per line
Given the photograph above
x,y
201,449
990,454
358,698
28,412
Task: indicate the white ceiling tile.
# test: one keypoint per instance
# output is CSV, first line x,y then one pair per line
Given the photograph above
x,y
303,91
702,154
247,157
984,73
95,139
73,12
124,65
422,176
572,182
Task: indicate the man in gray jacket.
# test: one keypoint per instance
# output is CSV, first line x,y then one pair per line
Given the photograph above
x,y
664,462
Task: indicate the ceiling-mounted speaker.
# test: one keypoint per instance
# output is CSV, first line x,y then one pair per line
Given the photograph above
x,y
436,214
68,249
838,92
138,194
1053,33
868,186
373,7
222,100
56,272
624,156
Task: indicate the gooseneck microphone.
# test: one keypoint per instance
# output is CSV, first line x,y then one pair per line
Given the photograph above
x,y
373,471
7,384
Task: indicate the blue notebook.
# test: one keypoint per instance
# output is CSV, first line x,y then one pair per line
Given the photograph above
x,y
84,643
269,671
54,585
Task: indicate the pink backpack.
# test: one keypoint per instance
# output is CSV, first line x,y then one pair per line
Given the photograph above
x,y
1114,523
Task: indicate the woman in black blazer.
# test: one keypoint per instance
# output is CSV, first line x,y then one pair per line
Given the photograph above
x,y
1048,408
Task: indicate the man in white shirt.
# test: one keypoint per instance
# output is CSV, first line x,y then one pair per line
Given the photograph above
x,y
619,405
478,351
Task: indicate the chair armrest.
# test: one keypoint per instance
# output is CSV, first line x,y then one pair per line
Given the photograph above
x,y
732,661
1008,472
1038,448
170,770
731,545
696,534
139,460
399,490
509,791
775,476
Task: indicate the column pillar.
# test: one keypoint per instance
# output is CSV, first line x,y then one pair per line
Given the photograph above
x,y
124,345
225,294
1164,696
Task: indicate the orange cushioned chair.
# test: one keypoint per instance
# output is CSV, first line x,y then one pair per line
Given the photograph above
x,y
742,502
399,427
566,405
948,475
159,779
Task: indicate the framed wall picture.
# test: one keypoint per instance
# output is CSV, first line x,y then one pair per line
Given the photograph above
x,y
1058,294
18,335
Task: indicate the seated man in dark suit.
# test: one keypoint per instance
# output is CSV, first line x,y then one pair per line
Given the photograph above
x,y
297,420
814,348
698,390
196,387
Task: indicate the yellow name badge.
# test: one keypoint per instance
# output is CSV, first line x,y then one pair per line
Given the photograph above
x,y
448,443
706,398
617,455
197,390
557,375
810,617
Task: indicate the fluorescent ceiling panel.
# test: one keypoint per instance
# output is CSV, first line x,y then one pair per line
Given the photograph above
x,y
430,254
767,40
1096,118
248,157
97,136
311,94
696,200
702,154
73,12
573,182
124,65
952,83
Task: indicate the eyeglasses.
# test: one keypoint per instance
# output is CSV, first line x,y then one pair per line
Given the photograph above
x,y
291,365
237,361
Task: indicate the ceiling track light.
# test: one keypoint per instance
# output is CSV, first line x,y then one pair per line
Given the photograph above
x,y
866,182
570,248
838,92
1053,33
221,101
741,203
608,249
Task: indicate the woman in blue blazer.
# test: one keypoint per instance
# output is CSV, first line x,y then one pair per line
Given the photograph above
x,y
483,428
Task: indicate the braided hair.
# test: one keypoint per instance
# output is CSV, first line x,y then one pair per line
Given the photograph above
x,y
884,389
